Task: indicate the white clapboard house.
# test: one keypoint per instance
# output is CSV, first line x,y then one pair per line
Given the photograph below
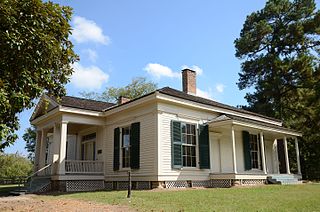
x,y
167,139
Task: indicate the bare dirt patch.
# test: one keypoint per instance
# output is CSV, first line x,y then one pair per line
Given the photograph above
x,y
38,203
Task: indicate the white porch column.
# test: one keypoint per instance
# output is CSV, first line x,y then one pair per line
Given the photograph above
x,y
63,147
275,157
234,159
286,154
42,155
56,148
263,156
37,151
298,155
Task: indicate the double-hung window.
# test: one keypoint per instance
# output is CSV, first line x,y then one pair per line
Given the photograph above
x,y
188,136
125,147
255,159
88,147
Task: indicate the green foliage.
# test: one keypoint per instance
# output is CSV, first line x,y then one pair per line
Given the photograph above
x,y
29,137
139,86
14,165
35,55
280,48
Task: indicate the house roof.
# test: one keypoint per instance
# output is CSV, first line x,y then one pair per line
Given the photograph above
x,y
86,104
100,106
225,117
183,95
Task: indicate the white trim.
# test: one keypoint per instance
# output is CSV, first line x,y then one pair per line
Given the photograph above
x,y
286,155
43,117
263,155
80,111
255,126
234,158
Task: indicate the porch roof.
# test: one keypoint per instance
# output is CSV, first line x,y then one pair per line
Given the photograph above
x,y
225,119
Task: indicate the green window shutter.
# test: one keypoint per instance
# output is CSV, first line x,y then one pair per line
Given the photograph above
x,y
204,151
246,150
116,149
135,145
176,150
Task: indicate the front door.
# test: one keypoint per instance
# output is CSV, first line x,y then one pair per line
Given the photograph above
x,y
281,157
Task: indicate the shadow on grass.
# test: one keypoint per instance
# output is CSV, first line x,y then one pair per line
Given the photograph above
x,y
6,189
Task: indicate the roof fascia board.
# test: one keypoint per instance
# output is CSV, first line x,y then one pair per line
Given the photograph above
x,y
254,126
79,111
265,128
189,103
45,116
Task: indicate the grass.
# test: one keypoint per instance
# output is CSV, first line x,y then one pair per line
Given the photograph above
x,y
264,198
5,189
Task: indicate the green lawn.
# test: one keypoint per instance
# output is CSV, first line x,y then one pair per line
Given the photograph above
x,y
264,198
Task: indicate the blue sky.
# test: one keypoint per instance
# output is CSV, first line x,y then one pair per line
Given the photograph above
x,y
118,40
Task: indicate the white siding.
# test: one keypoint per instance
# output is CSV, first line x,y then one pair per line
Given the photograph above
x,y
215,153
166,115
147,117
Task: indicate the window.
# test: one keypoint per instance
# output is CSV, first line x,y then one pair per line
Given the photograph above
x,y
125,147
88,147
188,137
255,151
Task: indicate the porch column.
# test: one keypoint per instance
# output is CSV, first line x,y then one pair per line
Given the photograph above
x,y
37,151
63,148
298,155
286,154
275,157
263,154
42,155
234,159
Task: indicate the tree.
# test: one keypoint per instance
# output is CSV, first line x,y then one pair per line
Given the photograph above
x,y
14,165
139,86
280,48
35,55
29,137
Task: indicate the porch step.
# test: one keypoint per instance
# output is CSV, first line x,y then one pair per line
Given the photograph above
x,y
37,184
284,179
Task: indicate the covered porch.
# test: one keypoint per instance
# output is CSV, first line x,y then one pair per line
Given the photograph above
x,y
70,148
259,150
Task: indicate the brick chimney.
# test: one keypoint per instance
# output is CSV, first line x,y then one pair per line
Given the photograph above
x,y
189,81
122,100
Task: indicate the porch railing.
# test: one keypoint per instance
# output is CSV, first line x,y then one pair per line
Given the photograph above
x,y
84,167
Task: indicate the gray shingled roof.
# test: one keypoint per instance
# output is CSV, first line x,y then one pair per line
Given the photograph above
x,y
86,104
183,95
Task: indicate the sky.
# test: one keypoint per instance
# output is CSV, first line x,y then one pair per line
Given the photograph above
x,y
118,40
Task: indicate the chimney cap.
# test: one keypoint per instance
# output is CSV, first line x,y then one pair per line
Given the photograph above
x,y
187,69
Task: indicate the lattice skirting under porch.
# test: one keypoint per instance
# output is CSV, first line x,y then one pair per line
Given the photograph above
x,y
84,185
252,182
215,183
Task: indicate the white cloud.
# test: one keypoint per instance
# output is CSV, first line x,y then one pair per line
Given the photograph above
x,y
85,30
90,77
220,87
92,55
158,70
204,94
195,68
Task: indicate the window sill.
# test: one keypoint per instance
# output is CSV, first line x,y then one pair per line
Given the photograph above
x,y
189,169
124,169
